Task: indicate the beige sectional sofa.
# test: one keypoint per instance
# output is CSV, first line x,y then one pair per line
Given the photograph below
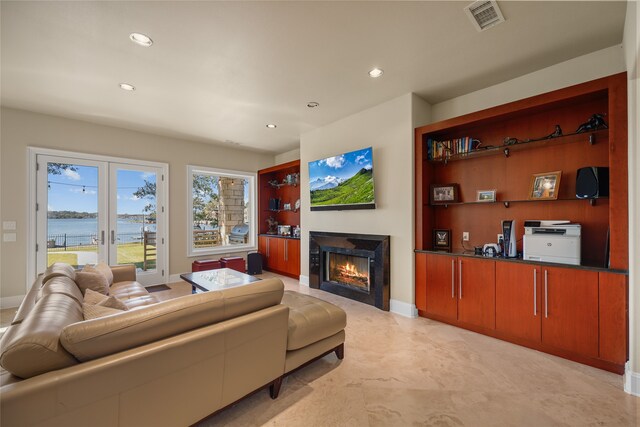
x,y
159,363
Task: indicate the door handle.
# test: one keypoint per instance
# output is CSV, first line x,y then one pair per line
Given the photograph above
x,y
113,237
546,294
460,278
535,292
453,279
286,250
268,241
102,237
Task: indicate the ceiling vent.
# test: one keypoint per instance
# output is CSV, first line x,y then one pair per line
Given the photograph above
x,y
484,14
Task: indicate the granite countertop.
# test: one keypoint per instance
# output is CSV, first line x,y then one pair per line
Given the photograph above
x,y
277,235
471,254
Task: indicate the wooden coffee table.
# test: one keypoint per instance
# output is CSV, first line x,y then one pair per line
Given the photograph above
x,y
215,280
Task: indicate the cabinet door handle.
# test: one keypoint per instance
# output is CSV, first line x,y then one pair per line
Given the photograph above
x,y
113,237
268,244
453,279
286,250
546,294
460,278
535,292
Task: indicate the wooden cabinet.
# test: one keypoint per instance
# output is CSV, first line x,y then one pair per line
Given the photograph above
x,y
293,257
518,300
570,310
613,311
440,286
577,313
451,294
477,292
421,282
279,183
280,255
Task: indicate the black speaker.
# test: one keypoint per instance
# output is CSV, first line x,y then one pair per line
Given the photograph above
x,y
592,182
254,263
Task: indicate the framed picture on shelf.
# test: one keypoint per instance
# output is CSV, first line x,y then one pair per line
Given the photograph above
x,y
442,194
486,196
545,186
441,239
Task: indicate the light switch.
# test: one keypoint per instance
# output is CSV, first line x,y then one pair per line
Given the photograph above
x,y
8,225
9,237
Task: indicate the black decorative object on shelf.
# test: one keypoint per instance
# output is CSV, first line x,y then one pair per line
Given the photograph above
x,y
595,122
556,133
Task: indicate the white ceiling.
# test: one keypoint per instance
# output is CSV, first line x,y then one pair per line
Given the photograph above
x,y
220,71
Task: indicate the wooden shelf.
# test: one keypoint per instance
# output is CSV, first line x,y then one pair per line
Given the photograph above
x,y
506,203
496,150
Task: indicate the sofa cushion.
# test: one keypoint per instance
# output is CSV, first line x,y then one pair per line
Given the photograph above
x,y
127,290
99,337
94,281
33,346
311,319
101,268
139,302
59,269
28,302
60,285
94,311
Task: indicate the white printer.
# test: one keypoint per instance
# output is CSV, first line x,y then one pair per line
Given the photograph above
x,y
552,241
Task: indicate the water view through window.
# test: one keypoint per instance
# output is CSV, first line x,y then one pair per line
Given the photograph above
x,y
73,216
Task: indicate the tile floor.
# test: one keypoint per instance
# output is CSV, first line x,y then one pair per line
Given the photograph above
x,y
417,372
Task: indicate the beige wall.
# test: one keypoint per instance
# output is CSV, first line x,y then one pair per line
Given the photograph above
x,y
388,128
631,44
21,129
288,156
577,70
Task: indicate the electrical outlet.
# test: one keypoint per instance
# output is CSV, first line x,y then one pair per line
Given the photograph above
x,y
500,238
465,236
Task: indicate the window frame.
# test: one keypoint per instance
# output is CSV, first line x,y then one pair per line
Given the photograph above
x,y
251,244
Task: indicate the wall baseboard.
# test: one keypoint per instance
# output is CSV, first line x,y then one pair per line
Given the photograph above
x,y
11,302
173,278
304,280
631,381
403,309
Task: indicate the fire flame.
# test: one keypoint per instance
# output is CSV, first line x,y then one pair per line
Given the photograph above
x,y
351,270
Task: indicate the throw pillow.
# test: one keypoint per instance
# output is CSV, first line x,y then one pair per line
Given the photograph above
x,y
93,297
94,281
113,302
92,311
101,268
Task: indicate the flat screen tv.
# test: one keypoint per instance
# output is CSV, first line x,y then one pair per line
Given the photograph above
x,y
342,182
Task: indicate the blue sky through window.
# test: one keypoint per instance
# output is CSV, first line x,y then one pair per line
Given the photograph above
x,y
78,190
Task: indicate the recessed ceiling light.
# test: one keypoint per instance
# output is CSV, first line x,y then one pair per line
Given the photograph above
x,y
127,86
271,126
312,104
141,39
376,72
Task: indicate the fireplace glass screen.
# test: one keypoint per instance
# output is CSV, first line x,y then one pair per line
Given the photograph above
x,y
349,270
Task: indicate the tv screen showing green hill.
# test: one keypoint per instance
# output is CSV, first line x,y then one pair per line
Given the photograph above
x,y
342,182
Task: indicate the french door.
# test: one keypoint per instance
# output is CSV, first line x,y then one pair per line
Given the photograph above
x,y
90,210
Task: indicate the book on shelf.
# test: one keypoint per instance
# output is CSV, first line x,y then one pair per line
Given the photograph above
x,y
437,150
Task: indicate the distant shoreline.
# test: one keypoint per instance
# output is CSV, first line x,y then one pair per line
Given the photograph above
x,y
94,215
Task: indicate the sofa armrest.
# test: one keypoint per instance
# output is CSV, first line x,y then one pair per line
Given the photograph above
x,y
123,273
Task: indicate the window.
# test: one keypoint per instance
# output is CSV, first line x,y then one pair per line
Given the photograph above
x,y
222,211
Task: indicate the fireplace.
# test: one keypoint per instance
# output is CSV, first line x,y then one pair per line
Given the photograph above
x,y
355,266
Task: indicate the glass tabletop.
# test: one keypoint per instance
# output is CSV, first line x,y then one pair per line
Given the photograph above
x,y
214,280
